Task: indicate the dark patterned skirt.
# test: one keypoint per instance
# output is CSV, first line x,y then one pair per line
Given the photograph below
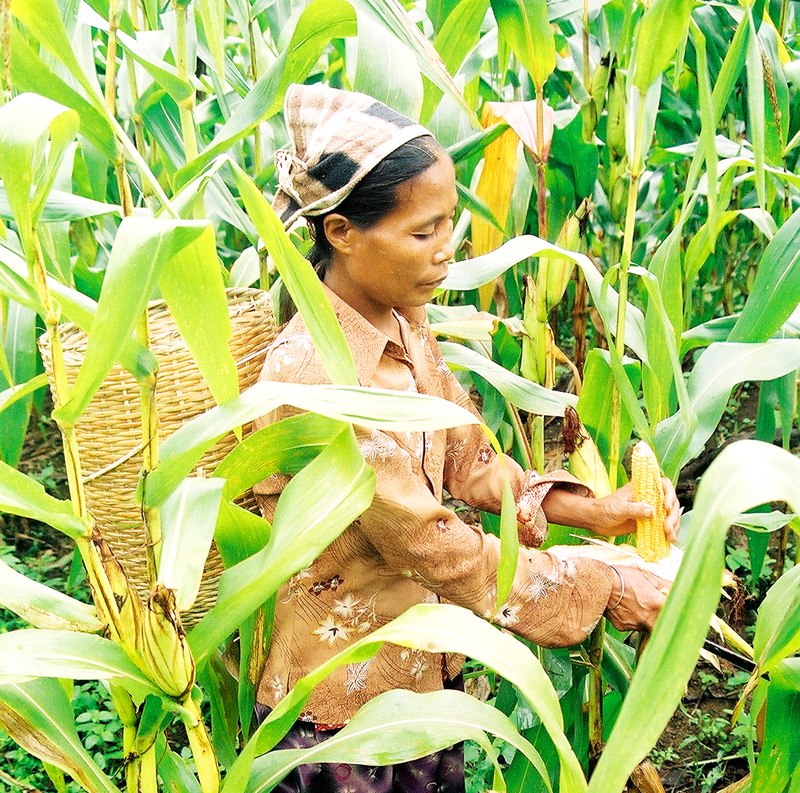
x,y
441,772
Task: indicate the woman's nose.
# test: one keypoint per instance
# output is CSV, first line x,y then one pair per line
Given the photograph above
x,y
446,251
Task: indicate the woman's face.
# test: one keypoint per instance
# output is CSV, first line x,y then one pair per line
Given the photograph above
x,y
404,257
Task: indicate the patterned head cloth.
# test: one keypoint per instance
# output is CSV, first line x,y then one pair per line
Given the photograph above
x,y
337,137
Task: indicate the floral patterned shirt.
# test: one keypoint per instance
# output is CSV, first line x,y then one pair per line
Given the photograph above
x,y
408,548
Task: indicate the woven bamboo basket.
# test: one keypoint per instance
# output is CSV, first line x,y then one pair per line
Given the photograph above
x,y
109,432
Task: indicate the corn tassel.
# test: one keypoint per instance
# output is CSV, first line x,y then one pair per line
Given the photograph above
x,y
585,461
651,540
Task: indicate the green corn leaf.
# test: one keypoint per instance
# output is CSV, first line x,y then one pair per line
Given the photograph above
x,y
745,474
386,69
662,28
472,202
60,207
141,249
395,18
524,24
776,290
286,446
75,306
595,398
457,37
656,305
221,690
343,486
320,21
777,764
29,653
18,364
163,73
472,273
659,375
778,624
212,14
398,726
38,716
43,20
755,108
25,121
14,283
517,390
191,283
302,283
12,395
716,372
239,533
44,607
30,73
707,130
21,495
188,518
370,407
435,628
175,772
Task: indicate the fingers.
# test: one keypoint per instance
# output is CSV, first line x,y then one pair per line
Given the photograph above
x,y
672,507
635,601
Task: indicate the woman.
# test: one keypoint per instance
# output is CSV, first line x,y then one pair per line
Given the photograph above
x,y
380,195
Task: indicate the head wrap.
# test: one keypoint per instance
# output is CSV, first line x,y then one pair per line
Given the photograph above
x,y
337,138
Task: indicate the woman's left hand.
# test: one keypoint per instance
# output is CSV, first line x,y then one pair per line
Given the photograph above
x,y
617,513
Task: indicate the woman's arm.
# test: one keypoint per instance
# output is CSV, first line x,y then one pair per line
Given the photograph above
x,y
611,516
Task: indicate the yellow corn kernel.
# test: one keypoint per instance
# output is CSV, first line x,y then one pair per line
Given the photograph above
x,y
651,540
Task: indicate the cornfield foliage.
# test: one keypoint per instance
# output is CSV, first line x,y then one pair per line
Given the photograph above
x,y
648,183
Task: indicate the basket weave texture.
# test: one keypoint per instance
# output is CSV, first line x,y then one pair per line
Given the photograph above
x,y
111,428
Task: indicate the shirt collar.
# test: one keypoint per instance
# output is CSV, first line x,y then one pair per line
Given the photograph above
x,y
364,340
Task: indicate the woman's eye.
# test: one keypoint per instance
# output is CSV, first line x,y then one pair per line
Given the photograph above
x,y
423,235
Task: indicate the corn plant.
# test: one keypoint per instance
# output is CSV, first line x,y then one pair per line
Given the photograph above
x,y
136,142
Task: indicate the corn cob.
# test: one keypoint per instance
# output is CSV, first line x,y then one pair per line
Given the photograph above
x,y
651,540
164,648
615,108
123,615
592,110
554,274
585,461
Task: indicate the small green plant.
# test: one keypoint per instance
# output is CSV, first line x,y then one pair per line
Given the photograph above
x,y
714,744
661,757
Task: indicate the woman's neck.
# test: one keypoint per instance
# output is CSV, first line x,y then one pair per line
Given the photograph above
x,y
382,317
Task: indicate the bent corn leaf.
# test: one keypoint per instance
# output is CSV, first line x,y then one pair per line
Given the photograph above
x,y
21,495
398,726
141,249
44,607
38,716
745,474
434,628
343,486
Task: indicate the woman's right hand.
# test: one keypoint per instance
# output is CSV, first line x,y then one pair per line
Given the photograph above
x,y
636,599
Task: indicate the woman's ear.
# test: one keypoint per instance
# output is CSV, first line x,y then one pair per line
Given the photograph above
x,y
339,231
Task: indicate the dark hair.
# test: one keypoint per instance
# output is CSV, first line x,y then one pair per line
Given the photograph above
x,y
374,197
